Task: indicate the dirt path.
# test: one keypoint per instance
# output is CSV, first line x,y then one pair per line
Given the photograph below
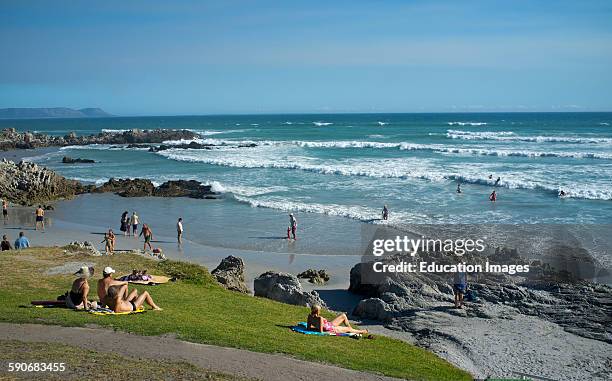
x,y
224,360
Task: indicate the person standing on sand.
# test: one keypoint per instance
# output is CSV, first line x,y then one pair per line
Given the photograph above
x,y
22,242
134,222
5,210
147,233
385,213
40,218
179,230
493,197
108,245
125,221
5,245
293,224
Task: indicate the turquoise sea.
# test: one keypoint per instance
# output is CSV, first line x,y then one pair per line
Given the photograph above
x,y
350,165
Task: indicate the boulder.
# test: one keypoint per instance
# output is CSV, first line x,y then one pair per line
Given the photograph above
x,y
183,188
128,187
230,274
375,309
315,276
69,160
285,288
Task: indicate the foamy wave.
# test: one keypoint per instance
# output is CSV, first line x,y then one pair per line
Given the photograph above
x,y
104,147
322,124
355,212
383,168
510,136
382,123
114,131
241,190
467,123
604,124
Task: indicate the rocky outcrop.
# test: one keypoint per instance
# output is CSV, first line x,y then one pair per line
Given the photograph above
x,y
579,306
230,274
315,276
11,139
285,288
69,160
146,188
29,184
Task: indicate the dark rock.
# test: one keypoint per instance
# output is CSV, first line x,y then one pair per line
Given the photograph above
x,y
230,274
285,288
183,188
69,160
29,184
314,276
128,187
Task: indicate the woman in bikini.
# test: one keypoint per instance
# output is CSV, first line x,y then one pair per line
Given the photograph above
x,y
117,300
318,323
77,297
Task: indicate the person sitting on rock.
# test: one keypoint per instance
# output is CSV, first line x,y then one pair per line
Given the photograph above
x,y
318,323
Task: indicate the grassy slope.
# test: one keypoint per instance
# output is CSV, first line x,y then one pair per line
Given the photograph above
x,y
199,310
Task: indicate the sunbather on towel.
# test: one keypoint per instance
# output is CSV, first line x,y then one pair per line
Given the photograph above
x,y
117,300
318,323
77,297
108,282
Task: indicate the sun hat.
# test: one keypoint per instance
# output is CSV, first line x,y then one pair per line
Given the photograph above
x,y
108,270
85,272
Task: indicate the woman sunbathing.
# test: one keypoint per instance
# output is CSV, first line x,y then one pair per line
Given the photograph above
x,y
117,300
77,298
318,323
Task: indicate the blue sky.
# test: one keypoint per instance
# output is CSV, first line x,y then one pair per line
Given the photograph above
x,y
211,57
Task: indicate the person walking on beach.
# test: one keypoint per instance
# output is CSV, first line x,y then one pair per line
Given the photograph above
x,y
179,230
293,224
147,233
459,288
40,218
5,244
125,223
22,242
493,197
5,210
385,213
134,222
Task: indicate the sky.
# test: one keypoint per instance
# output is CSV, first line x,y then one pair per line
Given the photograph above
x,y
226,57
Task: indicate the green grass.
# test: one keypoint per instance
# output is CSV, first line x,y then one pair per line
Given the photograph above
x,y
83,364
197,309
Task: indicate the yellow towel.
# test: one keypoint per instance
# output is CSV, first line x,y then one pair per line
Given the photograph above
x,y
98,312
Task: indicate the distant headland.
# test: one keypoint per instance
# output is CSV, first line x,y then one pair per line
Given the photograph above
x,y
52,112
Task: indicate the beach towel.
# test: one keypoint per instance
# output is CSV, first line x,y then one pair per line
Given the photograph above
x,y
155,279
48,303
302,327
100,311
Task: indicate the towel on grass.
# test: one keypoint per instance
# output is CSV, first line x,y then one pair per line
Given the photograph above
x,y
105,311
302,327
155,279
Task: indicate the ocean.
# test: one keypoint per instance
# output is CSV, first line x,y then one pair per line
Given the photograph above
x,y
351,165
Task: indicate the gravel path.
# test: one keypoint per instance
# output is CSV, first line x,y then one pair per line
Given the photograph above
x,y
273,367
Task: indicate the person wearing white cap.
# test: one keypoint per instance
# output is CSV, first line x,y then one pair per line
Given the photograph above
x,y
77,297
293,224
107,282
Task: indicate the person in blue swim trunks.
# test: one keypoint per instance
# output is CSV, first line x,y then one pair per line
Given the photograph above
x,y
459,288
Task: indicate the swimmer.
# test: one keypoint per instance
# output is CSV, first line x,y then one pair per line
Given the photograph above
x,y
493,197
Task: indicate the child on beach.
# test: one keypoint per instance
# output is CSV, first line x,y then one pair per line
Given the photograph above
x,y
108,246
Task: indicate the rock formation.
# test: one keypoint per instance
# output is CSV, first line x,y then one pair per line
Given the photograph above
x,y
315,276
230,274
285,288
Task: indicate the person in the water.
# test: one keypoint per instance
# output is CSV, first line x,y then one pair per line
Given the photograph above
x,y
497,181
490,177
385,213
562,193
458,187
493,197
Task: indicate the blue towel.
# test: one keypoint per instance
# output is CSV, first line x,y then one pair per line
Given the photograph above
x,y
302,327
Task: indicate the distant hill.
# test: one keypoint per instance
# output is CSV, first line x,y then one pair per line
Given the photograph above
x,y
54,112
